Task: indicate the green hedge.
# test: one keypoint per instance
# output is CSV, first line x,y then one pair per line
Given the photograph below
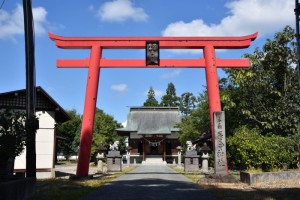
x,y
249,149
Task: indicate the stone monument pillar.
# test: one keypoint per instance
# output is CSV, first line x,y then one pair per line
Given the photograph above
x,y
220,144
191,160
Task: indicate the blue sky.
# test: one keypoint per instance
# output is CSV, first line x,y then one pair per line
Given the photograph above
x,y
120,88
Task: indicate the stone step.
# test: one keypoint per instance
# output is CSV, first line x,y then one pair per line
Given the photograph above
x,y
153,160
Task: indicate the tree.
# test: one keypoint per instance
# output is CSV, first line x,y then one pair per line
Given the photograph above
x,y
266,95
12,136
151,101
187,103
197,123
170,99
104,132
69,130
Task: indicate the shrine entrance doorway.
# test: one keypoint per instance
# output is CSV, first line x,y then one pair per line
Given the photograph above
x,y
154,150
152,46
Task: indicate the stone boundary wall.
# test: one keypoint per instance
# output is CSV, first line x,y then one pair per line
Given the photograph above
x,y
253,178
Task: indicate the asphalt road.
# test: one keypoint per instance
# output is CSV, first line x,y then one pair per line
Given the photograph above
x,y
150,182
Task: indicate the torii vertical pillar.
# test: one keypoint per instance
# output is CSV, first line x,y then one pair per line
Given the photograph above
x,y
89,112
212,82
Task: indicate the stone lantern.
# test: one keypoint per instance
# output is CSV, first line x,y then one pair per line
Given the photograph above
x,y
205,150
100,157
128,149
179,149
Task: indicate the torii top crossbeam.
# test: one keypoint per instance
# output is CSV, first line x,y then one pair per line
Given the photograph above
x,y
164,43
95,62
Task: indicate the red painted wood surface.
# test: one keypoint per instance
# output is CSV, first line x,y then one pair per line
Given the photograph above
x,y
89,113
141,63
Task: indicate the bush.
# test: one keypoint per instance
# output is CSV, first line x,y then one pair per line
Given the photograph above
x,y
249,149
12,134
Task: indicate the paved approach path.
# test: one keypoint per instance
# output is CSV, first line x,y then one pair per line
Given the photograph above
x,y
150,182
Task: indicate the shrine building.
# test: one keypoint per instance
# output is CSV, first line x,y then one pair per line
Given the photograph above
x,y
152,134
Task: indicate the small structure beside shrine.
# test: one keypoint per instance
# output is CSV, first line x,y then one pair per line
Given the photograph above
x,y
114,161
49,113
191,160
151,133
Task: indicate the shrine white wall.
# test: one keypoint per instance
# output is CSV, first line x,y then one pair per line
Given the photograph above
x,y
45,146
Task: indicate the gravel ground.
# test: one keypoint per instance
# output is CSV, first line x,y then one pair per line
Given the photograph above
x,y
67,169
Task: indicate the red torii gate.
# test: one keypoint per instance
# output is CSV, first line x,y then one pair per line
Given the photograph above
x,y
95,62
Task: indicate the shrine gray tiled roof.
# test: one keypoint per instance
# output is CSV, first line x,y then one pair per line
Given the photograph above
x,y
44,102
152,120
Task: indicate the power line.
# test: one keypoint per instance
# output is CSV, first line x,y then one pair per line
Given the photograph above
x,y
2,4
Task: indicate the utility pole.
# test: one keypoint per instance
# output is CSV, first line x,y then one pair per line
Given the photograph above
x,y
297,13
31,121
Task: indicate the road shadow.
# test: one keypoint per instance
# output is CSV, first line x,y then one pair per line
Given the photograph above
x,y
59,174
146,189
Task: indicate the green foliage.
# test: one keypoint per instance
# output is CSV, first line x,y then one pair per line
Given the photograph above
x,y
247,149
104,130
262,108
187,103
69,130
170,99
104,133
266,95
195,124
151,101
12,134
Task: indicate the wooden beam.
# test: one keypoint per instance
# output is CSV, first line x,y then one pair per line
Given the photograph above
x,y
164,63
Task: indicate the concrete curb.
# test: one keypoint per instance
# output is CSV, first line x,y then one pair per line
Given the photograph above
x,y
253,178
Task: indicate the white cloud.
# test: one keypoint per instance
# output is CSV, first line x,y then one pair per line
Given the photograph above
x,y
124,124
245,17
121,10
172,74
158,93
12,24
119,88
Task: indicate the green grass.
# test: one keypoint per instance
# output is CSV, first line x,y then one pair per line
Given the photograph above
x,y
71,189
194,176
